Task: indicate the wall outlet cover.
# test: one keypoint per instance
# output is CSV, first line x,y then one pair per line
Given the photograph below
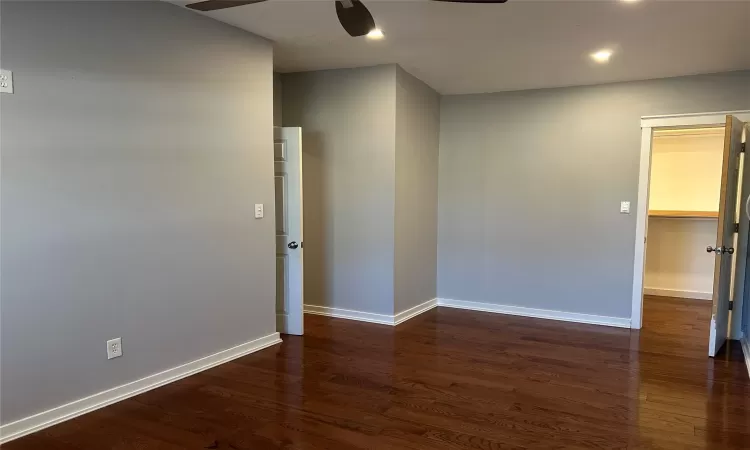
x,y
625,207
259,210
114,348
6,81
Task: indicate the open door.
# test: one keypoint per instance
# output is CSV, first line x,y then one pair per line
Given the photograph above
x,y
724,250
289,262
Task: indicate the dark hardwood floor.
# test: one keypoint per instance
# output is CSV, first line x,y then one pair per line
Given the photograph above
x,y
448,379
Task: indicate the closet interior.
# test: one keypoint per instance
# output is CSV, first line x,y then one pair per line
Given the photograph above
x,y
684,193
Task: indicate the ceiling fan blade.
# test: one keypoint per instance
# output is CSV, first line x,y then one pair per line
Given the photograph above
x,y
212,5
354,17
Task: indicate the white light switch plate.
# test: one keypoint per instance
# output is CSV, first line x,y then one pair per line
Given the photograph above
x,y
259,210
6,81
624,207
114,348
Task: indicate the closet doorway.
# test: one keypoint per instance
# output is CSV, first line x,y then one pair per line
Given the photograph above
x,y
684,191
683,200
692,185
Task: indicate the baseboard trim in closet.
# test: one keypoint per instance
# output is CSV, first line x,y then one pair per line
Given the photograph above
x,y
619,322
662,292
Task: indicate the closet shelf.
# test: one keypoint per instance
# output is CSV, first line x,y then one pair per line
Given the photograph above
x,y
684,214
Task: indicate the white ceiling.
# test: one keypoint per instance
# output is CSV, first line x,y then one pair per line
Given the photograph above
x,y
523,44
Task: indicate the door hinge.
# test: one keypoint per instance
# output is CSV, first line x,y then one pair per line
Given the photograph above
x,y
731,305
742,148
736,227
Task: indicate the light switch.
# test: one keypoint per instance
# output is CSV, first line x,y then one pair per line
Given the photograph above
x,y
259,210
624,207
6,81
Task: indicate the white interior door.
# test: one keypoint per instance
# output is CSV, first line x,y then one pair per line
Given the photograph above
x,y
741,247
724,250
289,259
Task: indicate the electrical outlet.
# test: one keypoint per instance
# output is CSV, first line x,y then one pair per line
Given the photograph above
x,y
6,81
114,348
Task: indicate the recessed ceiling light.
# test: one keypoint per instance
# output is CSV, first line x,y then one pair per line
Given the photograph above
x,y
630,1
601,56
375,34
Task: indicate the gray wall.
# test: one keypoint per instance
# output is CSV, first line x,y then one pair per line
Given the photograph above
x,y
136,143
348,143
417,133
530,185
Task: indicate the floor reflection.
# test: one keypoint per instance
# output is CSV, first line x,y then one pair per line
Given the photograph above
x,y
701,402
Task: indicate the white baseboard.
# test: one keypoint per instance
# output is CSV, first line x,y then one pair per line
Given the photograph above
x,y
663,292
403,316
384,319
620,322
746,351
349,314
31,424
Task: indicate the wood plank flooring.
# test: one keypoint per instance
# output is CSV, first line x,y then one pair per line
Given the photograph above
x,y
448,379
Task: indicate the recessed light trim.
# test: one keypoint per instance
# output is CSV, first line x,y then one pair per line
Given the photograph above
x,y
375,34
602,56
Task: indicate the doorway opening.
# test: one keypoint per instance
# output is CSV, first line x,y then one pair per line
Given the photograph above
x,y
691,192
683,212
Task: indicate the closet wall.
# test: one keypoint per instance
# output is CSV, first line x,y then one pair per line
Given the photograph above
x,y
683,207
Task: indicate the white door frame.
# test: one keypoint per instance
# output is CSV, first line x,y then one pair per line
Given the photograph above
x,y
648,125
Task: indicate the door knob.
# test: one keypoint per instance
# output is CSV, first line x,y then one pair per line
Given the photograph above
x,y
293,245
718,250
